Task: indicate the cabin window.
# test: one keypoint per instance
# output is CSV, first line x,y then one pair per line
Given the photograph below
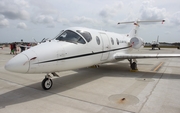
x,y
97,40
86,35
117,41
112,41
70,36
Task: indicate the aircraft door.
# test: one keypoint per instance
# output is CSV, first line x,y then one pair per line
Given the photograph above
x,y
105,46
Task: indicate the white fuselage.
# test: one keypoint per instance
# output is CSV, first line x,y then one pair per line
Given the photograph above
x,y
56,55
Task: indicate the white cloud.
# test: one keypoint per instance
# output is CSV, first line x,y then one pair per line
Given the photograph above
x,y
3,22
24,15
22,3
83,19
153,13
16,14
43,19
21,25
63,21
13,11
175,18
43,7
111,10
148,12
86,22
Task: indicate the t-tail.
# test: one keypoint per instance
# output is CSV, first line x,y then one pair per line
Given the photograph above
x,y
137,42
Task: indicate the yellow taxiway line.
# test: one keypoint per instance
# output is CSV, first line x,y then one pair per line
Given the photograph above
x,y
155,69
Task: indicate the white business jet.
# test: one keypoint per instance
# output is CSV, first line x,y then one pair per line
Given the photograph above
x,y
155,44
79,47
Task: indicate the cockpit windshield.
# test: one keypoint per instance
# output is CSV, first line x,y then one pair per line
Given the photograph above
x,y
85,34
70,36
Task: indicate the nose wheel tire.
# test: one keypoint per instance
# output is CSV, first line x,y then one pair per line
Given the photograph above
x,y
47,84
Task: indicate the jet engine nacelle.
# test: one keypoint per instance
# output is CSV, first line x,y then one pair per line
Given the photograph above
x,y
136,42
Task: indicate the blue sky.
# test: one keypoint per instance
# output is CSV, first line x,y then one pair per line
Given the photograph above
x,y
38,19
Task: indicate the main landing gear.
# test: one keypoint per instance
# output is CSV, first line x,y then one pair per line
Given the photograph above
x,y
47,82
133,64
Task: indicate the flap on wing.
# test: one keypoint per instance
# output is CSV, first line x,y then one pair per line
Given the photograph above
x,y
141,56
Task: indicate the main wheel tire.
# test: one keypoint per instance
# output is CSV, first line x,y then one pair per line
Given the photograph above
x,y
134,66
47,84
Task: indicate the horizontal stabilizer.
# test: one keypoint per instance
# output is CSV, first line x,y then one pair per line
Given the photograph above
x,y
136,23
146,21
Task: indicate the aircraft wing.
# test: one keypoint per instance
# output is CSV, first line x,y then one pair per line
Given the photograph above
x,y
119,56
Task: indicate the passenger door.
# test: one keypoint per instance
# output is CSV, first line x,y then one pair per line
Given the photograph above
x,y
105,46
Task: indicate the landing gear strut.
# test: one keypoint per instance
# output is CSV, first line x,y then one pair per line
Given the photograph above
x,y
133,65
47,82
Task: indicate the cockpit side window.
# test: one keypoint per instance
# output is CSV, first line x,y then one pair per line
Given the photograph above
x,y
70,36
86,35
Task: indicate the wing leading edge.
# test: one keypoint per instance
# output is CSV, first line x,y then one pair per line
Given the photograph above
x,y
119,56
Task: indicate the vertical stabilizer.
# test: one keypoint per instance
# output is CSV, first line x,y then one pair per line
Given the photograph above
x,y
158,40
134,31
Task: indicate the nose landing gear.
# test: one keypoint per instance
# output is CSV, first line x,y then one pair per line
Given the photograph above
x,y
47,82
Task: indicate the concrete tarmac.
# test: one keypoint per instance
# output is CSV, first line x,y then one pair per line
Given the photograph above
x,y
112,88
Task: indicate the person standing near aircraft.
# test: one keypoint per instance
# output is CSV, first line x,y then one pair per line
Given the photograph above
x,y
22,47
11,48
14,47
28,45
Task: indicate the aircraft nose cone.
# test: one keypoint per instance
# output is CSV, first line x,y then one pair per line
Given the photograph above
x,y
19,64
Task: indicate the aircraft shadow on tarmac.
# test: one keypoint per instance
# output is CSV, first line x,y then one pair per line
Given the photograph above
x,y
34,91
